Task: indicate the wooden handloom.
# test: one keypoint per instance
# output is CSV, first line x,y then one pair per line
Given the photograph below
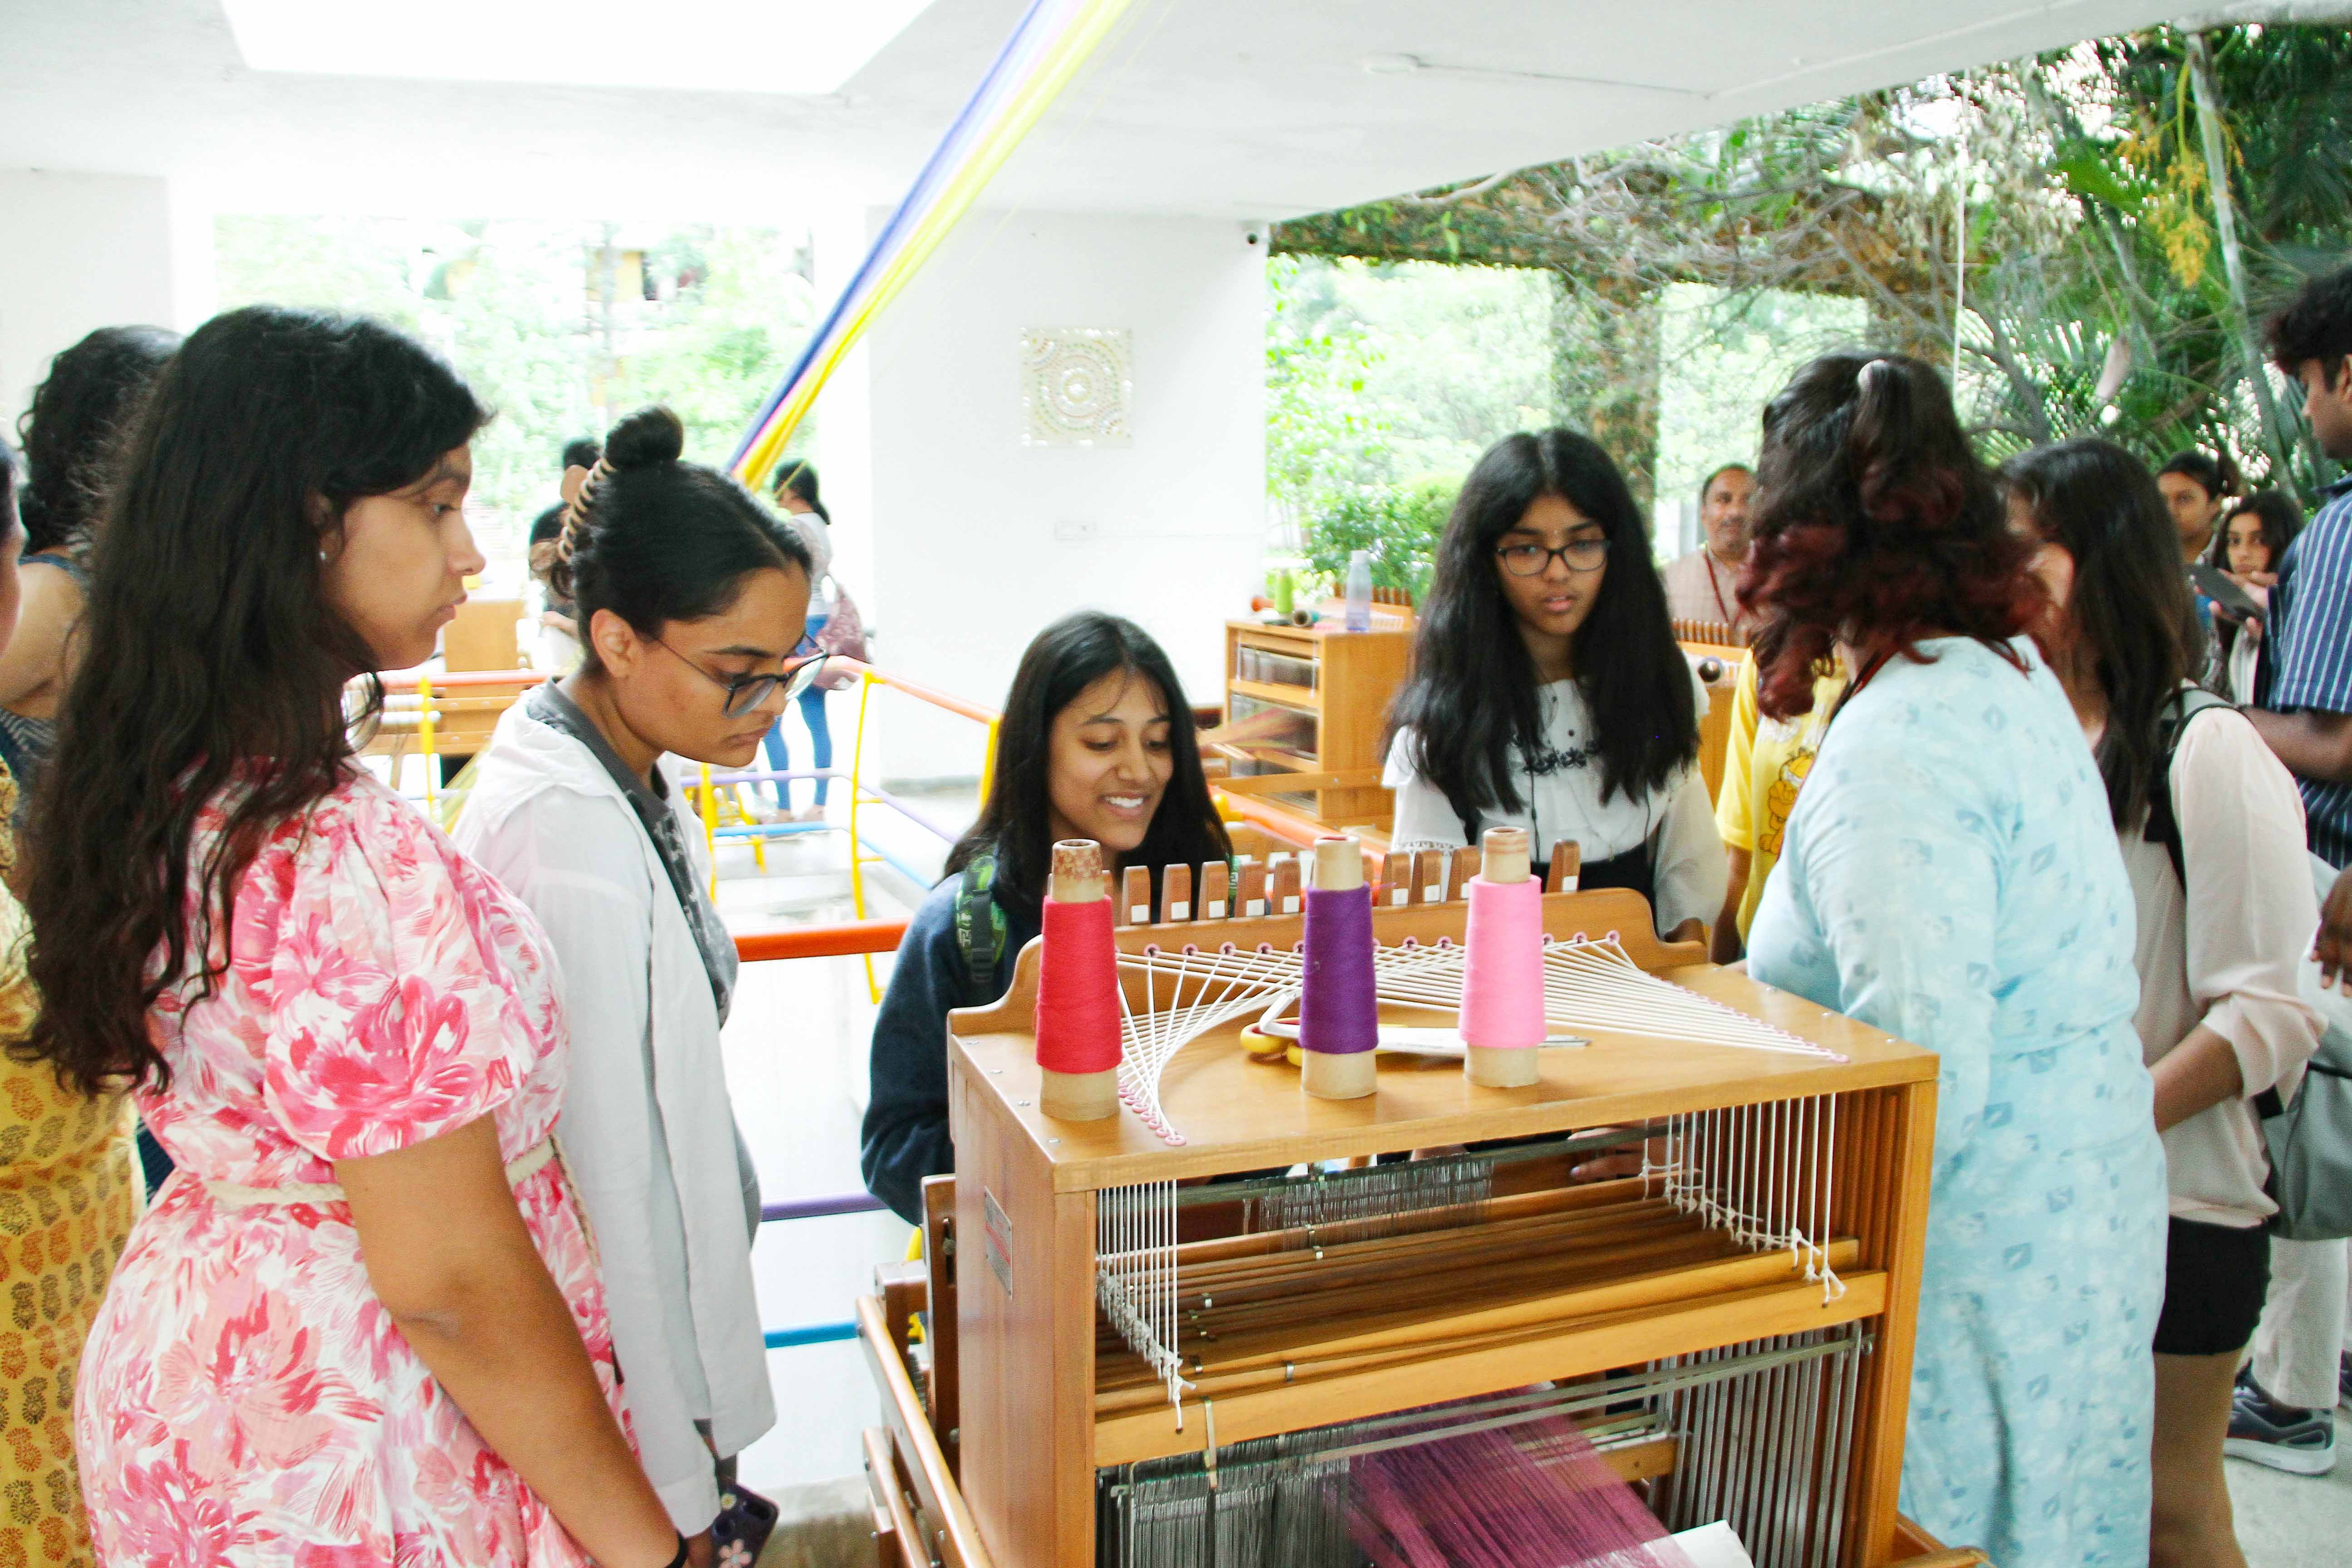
x,y
998,1427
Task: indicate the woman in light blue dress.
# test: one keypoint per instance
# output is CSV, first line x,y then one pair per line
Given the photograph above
x,y
1949,875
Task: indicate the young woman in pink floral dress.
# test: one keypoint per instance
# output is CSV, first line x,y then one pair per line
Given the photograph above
x,y
362,1325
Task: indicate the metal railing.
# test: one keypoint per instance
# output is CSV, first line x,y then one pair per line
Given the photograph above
x,y
862,937
863,850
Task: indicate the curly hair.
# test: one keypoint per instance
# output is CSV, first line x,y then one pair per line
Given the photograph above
x,y
222,679
2316,326
1876,526
74,429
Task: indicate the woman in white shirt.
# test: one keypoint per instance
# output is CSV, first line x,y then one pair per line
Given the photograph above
x,y
1547,691
2212,835
690,599
2251,543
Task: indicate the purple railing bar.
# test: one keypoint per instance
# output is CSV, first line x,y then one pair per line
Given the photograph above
x,y
879,796
912,814
818,1208
716,779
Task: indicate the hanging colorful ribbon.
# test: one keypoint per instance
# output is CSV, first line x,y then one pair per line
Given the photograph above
x,y
1052,41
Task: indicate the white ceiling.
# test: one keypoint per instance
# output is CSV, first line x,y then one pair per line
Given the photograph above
x,y
1246,109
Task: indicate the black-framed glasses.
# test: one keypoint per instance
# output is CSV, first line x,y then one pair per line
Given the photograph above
x,y
1535,559
746,693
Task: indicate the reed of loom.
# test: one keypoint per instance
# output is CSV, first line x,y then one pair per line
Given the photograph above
x,y
1029,1393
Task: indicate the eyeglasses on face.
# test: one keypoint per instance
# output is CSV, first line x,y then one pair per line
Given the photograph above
x,y
1530,560
746,693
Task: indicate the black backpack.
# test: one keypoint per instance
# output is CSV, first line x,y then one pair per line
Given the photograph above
x,y
979,928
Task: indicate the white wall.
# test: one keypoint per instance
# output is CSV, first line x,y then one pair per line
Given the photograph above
x,y
83,251
971,546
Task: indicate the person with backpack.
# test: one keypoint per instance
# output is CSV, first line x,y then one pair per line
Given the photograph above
x,y
1096,743
2212,832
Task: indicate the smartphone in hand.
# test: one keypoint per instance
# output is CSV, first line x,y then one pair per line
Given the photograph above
x,y
2223,590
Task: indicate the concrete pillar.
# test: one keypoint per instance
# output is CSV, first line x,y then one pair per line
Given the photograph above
x,y
85,251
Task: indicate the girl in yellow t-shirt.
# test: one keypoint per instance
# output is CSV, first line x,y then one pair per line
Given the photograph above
x,y
1764,766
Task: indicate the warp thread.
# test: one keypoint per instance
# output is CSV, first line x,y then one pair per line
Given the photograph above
x,y
1502,966
1537,1493
1338,1002
1078,989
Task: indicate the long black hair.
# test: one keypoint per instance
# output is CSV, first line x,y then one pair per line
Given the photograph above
x,y
797,477
1062,661
219,659
2281,518
1473,693
655,539
72,431
2130,607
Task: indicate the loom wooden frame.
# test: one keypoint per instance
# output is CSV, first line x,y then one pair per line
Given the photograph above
x,y
1014,1480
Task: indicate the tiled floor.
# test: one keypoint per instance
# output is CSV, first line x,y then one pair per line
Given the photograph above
x,y
796,1064
2296,1521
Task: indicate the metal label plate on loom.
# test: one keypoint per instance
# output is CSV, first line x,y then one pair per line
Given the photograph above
x,y
996,1239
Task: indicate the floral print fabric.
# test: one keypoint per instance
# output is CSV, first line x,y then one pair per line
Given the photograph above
x,y
245,1398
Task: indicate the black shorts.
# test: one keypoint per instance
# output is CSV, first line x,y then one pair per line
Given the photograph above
x,y
2214,1279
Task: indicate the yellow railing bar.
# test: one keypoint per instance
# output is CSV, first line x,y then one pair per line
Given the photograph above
x,y
710,829
425,734
867,680
857,796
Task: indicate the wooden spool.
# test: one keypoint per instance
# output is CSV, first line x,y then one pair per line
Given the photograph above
x,y
1507,860
1078,879
1338,1075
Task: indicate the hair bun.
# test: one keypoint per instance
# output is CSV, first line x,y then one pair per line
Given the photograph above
x,y
649,436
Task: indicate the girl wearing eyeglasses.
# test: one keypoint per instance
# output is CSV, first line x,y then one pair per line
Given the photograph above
x,y
1547,691
691,600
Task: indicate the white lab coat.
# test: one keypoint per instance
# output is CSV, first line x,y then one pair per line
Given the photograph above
x,y
647,1129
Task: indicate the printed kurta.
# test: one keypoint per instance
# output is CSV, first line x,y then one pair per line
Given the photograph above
x,y
69,1188
1949,874
245,1397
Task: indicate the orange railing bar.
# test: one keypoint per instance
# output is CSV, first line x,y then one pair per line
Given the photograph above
x,y
404,681
937,699
846,940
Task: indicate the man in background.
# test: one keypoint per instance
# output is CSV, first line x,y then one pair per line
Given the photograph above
x,y
1703,584
2284,1415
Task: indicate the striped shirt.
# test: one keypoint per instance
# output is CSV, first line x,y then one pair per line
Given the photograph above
x,y
2308,653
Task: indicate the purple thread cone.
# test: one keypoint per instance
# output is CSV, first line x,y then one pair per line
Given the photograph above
x,y
1338,1012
